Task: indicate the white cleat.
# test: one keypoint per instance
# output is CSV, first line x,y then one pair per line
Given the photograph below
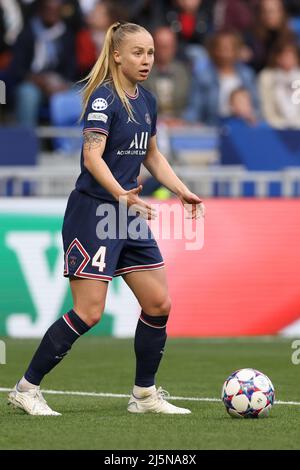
x,y
155,402
31,401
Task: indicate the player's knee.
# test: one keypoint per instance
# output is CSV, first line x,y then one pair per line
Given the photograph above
x,y
91,314
94,315
161,307
165,307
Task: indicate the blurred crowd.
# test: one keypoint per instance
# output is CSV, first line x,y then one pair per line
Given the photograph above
x,y
214,59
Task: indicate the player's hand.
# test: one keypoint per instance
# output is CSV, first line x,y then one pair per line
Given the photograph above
x,y
193,205
141,207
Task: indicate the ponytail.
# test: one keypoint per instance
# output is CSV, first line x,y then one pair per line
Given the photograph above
x,y
105,68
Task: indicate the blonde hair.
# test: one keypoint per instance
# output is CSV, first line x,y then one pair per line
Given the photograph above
x,y
105,68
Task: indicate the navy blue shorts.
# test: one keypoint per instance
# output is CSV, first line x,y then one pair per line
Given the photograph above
x,y
100,244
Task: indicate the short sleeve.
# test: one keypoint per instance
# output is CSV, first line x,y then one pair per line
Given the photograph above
x,y
99,112
154,116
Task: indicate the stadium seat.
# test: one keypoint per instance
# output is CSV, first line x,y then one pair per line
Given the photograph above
x,y
194,146
259,148
18,147
65,110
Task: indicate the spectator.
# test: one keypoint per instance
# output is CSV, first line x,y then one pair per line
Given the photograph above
x,y
169,79
233,14
43,62
241,106
28,8
90,39
11,24
275,86
292,7
211,89
147,13
86,6
191,20
72,15
71,11
272,25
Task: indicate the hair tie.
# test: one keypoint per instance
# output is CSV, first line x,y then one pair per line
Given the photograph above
x,y
116,26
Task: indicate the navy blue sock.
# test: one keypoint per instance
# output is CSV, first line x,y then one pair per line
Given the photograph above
x,y
55,344
149,342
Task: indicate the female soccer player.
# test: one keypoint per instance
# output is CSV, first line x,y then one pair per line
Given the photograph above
x,y
119,135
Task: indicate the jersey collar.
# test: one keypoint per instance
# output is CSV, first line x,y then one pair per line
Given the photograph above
x,y
133,97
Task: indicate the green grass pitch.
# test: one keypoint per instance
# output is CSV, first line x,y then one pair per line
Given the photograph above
x,y
190,368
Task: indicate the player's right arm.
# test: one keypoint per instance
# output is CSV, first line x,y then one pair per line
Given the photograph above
x,y
93,148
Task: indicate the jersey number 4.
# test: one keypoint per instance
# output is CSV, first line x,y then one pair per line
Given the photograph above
x,y
99,258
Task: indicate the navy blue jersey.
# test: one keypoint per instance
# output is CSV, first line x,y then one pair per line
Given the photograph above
x,y
127,140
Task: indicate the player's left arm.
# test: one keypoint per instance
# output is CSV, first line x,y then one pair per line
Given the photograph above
x,y
160,168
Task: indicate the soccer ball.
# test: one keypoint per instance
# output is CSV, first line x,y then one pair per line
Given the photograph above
x,y
248,393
